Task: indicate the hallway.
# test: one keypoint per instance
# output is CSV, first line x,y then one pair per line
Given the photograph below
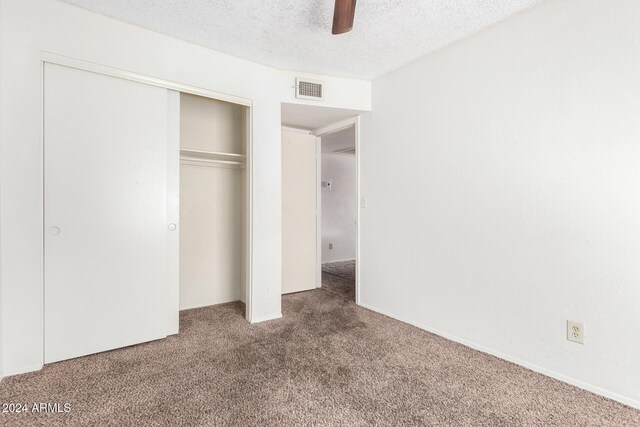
x,y
340,278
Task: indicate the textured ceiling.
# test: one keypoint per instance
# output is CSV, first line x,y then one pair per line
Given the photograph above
x,y
296,34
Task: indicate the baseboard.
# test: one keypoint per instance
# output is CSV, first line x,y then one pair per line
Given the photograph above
x,y
539,369
208,304
21,370
264,318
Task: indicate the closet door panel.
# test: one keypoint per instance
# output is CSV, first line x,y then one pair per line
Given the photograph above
x,y
107,280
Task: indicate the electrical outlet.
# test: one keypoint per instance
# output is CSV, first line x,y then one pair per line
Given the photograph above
x,y
575,331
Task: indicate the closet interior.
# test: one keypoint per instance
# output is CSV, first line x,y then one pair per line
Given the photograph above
x,y
213,201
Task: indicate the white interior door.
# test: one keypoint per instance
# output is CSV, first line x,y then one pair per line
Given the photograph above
x,y
299,236
111,156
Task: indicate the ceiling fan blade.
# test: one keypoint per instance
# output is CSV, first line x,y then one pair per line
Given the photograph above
x,y
343,14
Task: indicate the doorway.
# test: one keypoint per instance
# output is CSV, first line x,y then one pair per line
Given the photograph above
x,y
320,200
338,218
213,201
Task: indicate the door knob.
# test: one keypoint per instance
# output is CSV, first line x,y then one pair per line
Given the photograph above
x,y
172,227
54,231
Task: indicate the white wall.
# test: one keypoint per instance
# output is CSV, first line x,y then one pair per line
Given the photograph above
x,y
339,207
503,184
29,27
1,120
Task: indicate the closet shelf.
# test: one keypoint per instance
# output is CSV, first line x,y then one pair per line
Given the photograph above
x,y
212,158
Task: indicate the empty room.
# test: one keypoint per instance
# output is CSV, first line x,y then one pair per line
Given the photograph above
x,y
332,213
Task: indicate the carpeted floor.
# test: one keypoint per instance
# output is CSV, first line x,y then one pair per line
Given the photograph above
x,y
328,362
340,278
344,269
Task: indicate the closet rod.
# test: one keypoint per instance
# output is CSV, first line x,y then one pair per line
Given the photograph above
x,y
185,152
212,163
210,158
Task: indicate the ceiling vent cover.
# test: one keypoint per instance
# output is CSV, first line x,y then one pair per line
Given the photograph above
x,y
308,89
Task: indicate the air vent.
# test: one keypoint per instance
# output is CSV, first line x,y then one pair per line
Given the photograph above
x,y
308,89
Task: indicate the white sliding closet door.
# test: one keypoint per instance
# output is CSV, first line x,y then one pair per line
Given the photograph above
x,y
110,220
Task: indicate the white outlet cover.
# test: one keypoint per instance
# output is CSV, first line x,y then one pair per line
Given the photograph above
x,y
575,331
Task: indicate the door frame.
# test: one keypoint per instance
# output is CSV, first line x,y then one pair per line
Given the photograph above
x,y
52,58
319,133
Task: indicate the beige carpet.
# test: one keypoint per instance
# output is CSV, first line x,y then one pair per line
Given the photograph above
x,y
344,269
326,363
339,278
